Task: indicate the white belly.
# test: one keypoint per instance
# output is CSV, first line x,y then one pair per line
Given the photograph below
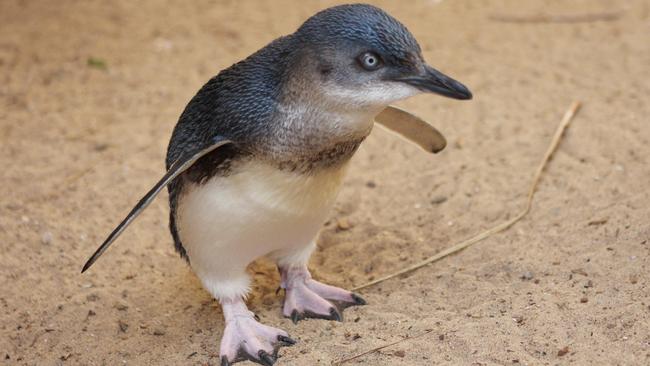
x,y
230,221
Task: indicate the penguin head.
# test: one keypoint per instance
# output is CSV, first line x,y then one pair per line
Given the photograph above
x,y
361,56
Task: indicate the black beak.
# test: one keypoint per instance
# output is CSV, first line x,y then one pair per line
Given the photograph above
x,y
434,81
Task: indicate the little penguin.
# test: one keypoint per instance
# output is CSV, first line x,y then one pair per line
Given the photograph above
x,y
258,155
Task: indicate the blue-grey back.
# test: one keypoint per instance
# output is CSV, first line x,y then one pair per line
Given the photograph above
x,y
238,103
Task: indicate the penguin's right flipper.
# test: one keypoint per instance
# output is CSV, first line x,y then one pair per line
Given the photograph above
x,y
179,166
413,128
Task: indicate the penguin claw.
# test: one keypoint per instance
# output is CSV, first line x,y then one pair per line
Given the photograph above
x,y
358,300
265,358
332,314
286,340
307,298
295,316
335,315
247,339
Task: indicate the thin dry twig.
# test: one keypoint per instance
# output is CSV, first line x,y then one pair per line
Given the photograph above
x,y
351,358
568,116
561,18
75,176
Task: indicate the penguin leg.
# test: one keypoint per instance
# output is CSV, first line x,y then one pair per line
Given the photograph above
x,y
244,338
306,297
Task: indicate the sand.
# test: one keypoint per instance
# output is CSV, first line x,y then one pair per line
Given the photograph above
x,y
81,141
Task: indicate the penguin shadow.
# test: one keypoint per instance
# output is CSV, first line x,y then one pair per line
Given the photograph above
x,y
266,297
185,296
185,313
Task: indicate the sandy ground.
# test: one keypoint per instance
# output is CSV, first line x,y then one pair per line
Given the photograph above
x,y
569,284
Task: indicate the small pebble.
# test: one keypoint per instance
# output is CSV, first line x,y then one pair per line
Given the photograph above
x,y
343,224
12,207
579,271
100,147
371,184
438,200
598,222
399,353
158,332
563,351
584,299
161,44
527,276
123,326
46,238
441,337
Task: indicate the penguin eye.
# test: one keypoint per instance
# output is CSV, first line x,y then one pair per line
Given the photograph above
x,y
369,61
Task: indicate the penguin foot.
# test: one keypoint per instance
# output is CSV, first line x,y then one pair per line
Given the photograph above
x,y
244,338
308,298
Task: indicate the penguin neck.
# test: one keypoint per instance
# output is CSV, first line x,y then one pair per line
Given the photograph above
x,y
312,131
310,113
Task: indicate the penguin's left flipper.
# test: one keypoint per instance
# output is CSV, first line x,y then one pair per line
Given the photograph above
x,y
412,128
179,166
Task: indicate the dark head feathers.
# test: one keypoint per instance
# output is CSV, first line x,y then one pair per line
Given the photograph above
x,y
359,24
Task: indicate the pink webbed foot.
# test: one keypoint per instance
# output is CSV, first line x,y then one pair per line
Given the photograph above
x,y
244,338
307,298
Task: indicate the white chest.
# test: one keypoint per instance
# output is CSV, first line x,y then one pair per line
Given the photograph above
x,y
255,210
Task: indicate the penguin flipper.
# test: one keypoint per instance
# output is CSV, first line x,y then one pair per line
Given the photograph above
x,y
179,166
412,128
